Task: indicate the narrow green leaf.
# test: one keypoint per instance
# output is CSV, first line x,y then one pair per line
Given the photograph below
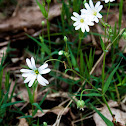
x,y
73,60
107,83
42,8
35,111
29,94
37,105
27,116
102,44
107,121
91,94
43,45
9,104
81,63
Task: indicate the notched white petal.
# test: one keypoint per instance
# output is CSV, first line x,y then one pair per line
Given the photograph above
x,y
75,14
31,81
33,63
74,18
42,80
43,67
45,71
29,63
25,70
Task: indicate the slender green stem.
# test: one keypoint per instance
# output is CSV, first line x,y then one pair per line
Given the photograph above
x,y
84,79
117,93
107,105
58,61
68,59
103,70
79,45
48,31
107,12
81,94
106,21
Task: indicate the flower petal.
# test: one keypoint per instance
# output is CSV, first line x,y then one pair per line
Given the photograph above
x,y
91,4
43,67
31,81
45,71
99,15
87,6
97,4
99,8
29,63
33,63
76,23
96,20
27,79
25,70
74,18
76,14
77,27
87,28
83,11
42,80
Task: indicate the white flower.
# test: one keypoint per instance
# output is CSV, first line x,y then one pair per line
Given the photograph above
x,y
60,52
35,73
106,1
92,10
82,22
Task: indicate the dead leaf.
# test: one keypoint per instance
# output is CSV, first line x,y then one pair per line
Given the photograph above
x,y
2,52
28,17
56,110
120,116
23,122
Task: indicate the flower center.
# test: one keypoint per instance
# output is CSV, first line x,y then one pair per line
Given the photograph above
x,y
94,13
82,20
36,72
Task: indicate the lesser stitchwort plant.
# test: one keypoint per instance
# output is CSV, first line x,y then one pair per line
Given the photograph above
x,y
82,22
92,10
35,73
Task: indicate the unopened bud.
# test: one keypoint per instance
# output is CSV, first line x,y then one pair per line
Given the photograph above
x,y
43,23
44,124
41,38
65,39
48,1
60,52
124,35
80,104
84,1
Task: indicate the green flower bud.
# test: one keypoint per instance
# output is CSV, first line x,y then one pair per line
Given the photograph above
x,y
43,23
66,54
65,39
84,1
44,124
48,1
80,104
41,38
124,35
43,3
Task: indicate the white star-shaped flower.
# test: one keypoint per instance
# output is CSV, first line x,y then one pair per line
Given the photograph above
x,y
92,10
82,22
35,73
106,1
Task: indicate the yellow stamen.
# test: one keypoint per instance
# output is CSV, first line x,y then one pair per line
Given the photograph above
x,y
36,72
94,13
81,20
